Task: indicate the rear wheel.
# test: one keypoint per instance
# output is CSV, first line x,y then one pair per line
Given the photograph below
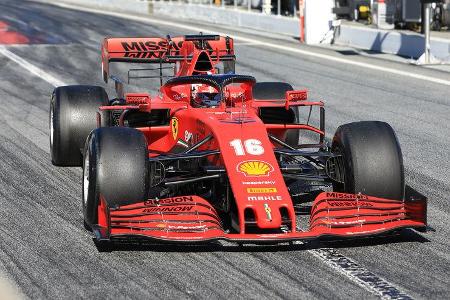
x,y
72,117
271,90
277,91
372,159
115,168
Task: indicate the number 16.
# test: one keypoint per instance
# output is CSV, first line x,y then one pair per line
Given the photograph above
x,y
252,146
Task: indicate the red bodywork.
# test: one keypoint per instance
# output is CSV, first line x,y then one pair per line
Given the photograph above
x,y
254,175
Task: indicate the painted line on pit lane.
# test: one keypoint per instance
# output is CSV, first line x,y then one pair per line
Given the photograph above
x,y
9,290
258,43
30,67
358,274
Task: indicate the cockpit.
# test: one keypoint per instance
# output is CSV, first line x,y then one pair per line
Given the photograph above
x,y
209,91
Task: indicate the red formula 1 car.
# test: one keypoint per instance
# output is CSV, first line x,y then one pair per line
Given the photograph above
x,y
219,156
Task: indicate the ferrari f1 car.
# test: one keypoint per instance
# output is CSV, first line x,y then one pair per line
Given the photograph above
x,y
220,156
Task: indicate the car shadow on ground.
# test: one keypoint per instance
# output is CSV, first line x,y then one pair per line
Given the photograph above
x,y
402,236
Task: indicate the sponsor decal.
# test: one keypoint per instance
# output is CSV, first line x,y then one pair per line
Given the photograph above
x,y
174,127
187,136
148,49
144,55
346,196
181,227
137,99
344,222
168,209
297,95
179,97
160,48
145,46
268,211
237,120
173,200
264,198
262,190
267,182
239,96
255,168
349,203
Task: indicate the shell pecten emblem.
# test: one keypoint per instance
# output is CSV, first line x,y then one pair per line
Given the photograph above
x,y
255,168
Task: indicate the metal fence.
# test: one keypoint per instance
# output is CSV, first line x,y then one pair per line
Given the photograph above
x,y
288,8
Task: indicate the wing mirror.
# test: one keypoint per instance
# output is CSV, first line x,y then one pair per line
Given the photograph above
x,y
300,95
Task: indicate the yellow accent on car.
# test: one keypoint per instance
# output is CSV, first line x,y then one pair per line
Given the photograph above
x,y
255,168
174,127
263,190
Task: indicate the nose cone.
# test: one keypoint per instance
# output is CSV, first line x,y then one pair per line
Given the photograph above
x,y
258,186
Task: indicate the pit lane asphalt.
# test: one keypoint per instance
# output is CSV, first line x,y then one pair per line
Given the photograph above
x,y
46,252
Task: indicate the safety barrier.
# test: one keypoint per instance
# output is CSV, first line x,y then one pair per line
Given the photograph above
x,y
404,43
229,17
233,13
268,7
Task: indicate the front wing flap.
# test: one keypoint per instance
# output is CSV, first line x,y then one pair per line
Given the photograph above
x,y
192,218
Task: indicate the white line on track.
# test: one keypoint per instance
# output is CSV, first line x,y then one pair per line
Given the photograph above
x,y
9,291
31,68
358,274
257,42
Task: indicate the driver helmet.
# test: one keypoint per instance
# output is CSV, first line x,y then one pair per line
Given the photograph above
x,y
204,98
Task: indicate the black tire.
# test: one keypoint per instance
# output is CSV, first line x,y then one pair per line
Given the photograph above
x,y
271,90
277,90
72,117
293,135
373,162
116,167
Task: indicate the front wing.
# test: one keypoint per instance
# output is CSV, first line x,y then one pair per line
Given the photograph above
x,y
193,219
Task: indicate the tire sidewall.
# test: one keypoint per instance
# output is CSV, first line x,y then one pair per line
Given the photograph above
x,y
341,146
58,145
104,149
72,117
372,158
91,200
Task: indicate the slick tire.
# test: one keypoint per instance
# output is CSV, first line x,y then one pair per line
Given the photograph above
x,y
277,90
271,90
116,168
372,159
72,117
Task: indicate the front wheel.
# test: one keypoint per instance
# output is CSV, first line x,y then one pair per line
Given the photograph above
x,y
373,163
115,168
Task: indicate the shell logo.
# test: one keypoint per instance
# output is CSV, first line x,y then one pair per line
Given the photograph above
x,y
255,168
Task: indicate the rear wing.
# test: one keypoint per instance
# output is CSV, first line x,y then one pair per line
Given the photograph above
x,y
164,50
